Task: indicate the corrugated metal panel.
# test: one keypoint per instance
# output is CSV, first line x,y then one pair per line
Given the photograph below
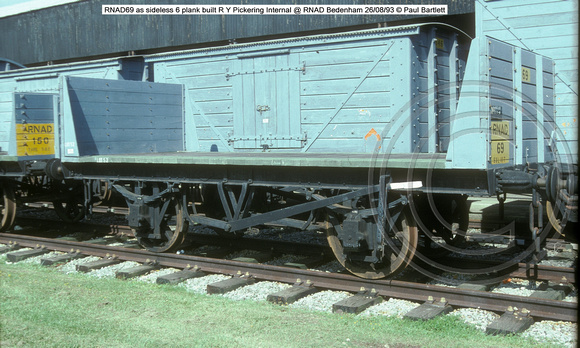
x,y
80,30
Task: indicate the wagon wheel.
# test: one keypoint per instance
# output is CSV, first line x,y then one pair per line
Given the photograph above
x,y
446,217
7,207
70,210
399,249
173,229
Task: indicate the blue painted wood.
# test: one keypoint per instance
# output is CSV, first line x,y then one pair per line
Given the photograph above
x,y
158,128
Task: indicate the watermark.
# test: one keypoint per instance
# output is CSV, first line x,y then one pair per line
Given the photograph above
x,y
440,215
274,10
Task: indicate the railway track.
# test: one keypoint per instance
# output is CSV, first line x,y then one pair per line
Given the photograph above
x,y
539,309
517,270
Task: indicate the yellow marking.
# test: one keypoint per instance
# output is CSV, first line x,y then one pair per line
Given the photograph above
x,y
500,152
439,43
500,130
34,139
371,132
526,75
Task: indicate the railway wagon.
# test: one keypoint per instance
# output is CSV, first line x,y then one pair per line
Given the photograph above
x,y
376,137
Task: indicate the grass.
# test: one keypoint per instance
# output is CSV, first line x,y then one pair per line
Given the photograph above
x,y
42,307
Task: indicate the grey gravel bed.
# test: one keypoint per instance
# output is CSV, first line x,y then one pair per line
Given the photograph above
x,y
280,261
71,267
553,332
111,271
390,308
519,287
151,277
320,301
256,292
478,318
330,267
199,285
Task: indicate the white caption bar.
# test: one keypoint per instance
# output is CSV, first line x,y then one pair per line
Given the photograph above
x,y
273,10
405,185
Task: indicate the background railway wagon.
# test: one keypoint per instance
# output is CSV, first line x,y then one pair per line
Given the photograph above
x,y
33,98
328,93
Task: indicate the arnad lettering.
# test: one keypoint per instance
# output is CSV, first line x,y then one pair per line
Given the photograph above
x,y
32,128
500,130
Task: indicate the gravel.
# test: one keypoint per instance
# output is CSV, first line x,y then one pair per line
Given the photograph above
x,y
71,267
256,292
391,308
553,332
519,287
572,296
242,253
331,267
288,234
111,271
280,261
152,276
448,279
478,318
320,301
199,285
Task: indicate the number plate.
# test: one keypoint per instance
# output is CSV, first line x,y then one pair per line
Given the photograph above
x,y
526,75
34,139
500,152
500,130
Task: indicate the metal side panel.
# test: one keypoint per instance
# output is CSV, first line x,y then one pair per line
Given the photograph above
x,y
324,93
116,117
521,104
468,145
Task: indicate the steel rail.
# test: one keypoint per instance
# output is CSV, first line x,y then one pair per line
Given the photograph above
x,y
539,308
549,273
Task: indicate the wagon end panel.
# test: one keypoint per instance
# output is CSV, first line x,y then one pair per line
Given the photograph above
x,y
505,114
550,29
104,117
35,116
